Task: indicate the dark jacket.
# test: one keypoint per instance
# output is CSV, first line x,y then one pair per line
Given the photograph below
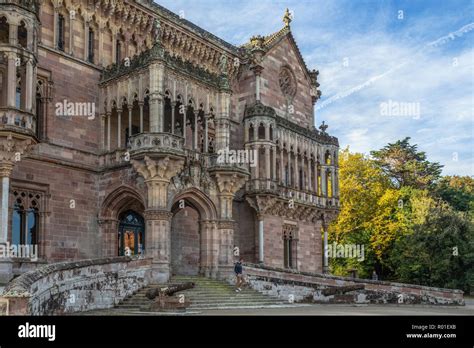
x,y
238,268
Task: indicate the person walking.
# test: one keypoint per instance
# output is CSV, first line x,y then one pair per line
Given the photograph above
x,y
239,276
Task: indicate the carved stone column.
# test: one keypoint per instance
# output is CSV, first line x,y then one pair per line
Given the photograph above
x,y
225,248
157,173
209,258
228,183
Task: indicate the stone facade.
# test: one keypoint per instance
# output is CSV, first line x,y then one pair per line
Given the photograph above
x,y
114,118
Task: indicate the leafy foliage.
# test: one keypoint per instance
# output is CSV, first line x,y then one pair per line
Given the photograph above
x,y
409,219
406,166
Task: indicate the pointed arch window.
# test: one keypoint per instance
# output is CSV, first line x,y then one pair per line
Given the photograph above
x,y
60,25
90,53
25,219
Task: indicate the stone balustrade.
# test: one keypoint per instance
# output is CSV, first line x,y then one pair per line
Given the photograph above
x,y
156,142
17,121
296,286
75,286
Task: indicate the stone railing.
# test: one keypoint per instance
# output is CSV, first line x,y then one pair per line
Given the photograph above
x,y
17,121
323,288
114,158
260,185
156,142
75,286
216,162
311,198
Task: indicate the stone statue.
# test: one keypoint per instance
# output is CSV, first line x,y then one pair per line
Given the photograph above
x,y
223,64
157,30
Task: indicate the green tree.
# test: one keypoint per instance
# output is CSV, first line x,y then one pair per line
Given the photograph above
x,y
406,166
458,191
439,252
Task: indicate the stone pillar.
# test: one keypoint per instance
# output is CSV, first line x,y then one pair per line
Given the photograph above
x,y
282,167
228,184
206,134
140,105
173,110
333,182
157,174
156,97
316,175
119,128
71,34
13,33
267,162
29,85
185,111
274,150
101,43
257,167
86,37
297,172
210,248
109,116
222,122
261,253
103,119
325,255
114,45
290,179
5,172
323,181
196,131
310,175
130,111
55,26
11,79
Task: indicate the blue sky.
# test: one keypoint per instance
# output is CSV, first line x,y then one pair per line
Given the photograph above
x,y
369,53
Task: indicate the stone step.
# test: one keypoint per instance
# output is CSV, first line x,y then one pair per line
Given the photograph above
x,y
208,299
207,294
147,304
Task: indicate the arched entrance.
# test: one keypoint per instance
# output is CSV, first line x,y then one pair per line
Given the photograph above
x,y
113,220
131,234
192,230
185,239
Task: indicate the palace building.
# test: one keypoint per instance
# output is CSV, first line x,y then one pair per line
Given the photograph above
x,y
113,118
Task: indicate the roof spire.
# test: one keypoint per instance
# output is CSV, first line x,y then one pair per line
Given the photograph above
x,y
287,18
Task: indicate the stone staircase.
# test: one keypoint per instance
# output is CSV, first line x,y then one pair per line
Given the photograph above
x,y
208,294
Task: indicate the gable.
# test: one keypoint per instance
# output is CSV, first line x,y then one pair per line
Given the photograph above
x,y
282,54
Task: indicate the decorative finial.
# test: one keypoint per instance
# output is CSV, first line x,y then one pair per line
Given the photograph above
x,y
323,127
287,18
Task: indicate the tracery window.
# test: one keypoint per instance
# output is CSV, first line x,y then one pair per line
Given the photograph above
x,y
287,82
25,218
290,246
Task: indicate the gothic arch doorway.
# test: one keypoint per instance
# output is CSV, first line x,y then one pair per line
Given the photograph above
x,y
185,240
131,234
192,230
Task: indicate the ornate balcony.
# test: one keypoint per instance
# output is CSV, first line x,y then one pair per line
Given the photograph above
x,y
156,143
262,186
310,198
17,121
216,164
